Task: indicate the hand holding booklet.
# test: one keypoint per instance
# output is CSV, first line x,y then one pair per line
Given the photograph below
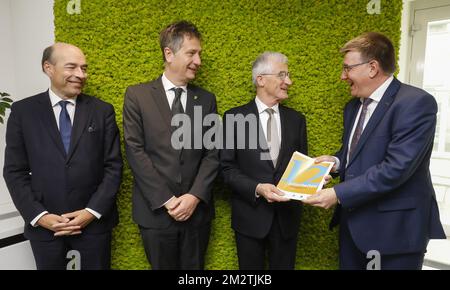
x,y
303,177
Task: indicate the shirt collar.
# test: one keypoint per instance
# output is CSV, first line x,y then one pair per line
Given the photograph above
x,y
379,92
168,85
262,107
55,99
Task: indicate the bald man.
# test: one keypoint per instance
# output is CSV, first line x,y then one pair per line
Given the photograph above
x,y
63,166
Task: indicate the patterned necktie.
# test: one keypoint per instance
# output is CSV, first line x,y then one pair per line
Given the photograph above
x,y
359,126
273,139
177,107
65,126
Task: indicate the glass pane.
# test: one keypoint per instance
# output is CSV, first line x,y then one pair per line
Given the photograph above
x,y
436,78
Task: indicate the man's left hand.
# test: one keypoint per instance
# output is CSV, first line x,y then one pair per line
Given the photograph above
x,y
79,218
188,203
325,198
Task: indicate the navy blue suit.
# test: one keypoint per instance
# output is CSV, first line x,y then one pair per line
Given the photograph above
x,y
387,201
41,177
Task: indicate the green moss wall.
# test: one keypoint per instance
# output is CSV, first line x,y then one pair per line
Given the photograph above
x,y
120,39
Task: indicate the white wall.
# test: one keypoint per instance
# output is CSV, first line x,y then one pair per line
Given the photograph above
x,y
26,28
33,30
7,83
405,42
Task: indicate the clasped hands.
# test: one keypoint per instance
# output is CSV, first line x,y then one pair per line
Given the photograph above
x,y
66,224
181,208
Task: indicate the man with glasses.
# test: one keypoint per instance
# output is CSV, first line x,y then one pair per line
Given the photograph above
x,y
386,202
264,220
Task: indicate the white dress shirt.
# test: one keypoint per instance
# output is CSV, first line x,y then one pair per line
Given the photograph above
x,y
54,100
264,117
376,97
170,94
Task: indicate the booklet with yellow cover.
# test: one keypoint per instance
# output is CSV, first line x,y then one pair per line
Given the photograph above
x,y
303,177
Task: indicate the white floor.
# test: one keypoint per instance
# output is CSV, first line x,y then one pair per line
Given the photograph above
x,y
438,255
17,257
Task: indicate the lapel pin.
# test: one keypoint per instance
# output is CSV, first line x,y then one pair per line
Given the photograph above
x,y
195,97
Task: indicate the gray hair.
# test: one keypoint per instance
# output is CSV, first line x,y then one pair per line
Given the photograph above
x,y
263,63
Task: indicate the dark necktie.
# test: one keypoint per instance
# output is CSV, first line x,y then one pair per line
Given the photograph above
x,y
359,126
65,126
177,107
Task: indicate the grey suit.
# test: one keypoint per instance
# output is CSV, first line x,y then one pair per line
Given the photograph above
x,y
158,171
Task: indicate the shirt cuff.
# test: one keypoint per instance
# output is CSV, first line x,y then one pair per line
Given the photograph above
x,y
337,163
96,214
35,220
256,194
167,201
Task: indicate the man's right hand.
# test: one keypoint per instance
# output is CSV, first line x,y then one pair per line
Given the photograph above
x,y
327,158
270,192
58,224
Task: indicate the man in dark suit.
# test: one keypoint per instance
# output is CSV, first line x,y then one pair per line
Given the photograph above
x,y
172,202
263,220
63,166
386,201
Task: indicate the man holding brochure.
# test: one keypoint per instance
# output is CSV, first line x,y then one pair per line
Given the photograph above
x,y
262,218
386,202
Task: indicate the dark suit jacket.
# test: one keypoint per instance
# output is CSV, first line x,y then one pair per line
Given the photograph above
x,y
158,172
386,190
39,174
243,169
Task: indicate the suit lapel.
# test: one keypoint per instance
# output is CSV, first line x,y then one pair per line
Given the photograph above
x,y
81,117
348,125
159,95
191,102
384,104
48,118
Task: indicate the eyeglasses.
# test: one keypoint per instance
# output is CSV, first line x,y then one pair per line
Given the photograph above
x,y
347,68
281,75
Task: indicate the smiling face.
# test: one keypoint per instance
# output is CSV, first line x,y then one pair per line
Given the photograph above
x,y
358,77
182,66
66,70
272,86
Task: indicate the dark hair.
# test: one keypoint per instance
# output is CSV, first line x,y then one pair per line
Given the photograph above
x,y
46,56
373,45
173,35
